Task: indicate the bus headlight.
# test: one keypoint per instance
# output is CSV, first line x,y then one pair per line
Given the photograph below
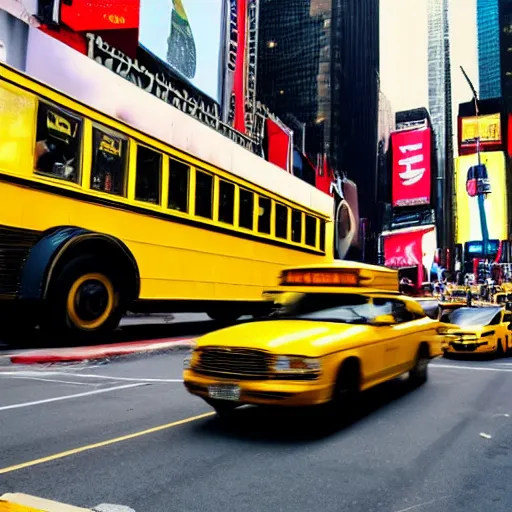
x,y
296,365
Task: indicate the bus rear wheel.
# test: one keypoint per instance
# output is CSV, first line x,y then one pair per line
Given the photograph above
x,y
84,299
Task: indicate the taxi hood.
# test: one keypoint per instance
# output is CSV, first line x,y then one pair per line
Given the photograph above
x,y
290,337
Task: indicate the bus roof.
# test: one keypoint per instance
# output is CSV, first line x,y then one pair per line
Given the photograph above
x,y
349,276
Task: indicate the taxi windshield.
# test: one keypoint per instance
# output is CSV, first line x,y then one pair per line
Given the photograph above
x,y
472,316
330,307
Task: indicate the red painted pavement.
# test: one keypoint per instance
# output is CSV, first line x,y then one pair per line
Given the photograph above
x,y
60,355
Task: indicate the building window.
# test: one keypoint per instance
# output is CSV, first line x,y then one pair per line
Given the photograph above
x,y
246,210
178,186
264,215
204,195
57,151
310,230
108,173
296,226
226,202
149,174
281,221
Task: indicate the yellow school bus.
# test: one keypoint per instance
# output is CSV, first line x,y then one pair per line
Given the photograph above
x,y
97,218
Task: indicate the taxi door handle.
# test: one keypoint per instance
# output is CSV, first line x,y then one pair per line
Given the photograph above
x,y
391,349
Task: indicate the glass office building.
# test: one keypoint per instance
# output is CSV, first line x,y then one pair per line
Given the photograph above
x,y
489,67
318,64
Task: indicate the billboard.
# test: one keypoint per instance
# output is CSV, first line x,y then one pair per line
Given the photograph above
x,y
410,248
411,173
487,128
481,196
188,35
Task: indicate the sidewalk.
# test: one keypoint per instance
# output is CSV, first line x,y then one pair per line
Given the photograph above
x,y
17,502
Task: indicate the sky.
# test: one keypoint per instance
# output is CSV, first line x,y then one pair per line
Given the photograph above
x,y
404,52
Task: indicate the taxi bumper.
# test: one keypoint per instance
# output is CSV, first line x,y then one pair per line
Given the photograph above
x,y
477,346
265,392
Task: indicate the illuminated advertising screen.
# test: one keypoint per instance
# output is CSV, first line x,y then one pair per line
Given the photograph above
x,y
481,195
82,15
487,128
411,179
410,248
187,35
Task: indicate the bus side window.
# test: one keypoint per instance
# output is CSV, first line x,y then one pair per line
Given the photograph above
x,y
281,221
322,235
57,151
226,202
178,186
264,215
108,173
296,226
246,209
204,195
310,230
148,177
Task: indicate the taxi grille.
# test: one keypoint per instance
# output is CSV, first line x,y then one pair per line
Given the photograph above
x,y
234,362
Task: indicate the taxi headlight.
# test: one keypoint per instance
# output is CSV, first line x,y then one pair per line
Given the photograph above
x,y
290,364
190,360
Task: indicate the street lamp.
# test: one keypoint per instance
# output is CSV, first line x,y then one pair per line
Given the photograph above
x,y
482,189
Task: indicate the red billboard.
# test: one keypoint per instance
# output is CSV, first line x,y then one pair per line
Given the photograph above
x,y
413,248
411,183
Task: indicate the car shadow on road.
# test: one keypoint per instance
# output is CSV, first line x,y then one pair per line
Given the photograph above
x,y
281,425
144,331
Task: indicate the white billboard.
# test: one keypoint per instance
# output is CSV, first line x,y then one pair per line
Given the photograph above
x,y
188,36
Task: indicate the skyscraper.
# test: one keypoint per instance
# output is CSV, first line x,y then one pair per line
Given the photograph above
x,y
489,66
440,106
505,20
318,64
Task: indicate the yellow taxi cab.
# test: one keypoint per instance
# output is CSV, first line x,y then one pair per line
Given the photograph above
x,y
336,329
476,330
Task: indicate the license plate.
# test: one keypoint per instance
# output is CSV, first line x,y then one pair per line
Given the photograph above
x,y
224,392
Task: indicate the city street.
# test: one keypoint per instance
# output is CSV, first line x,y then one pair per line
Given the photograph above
x,y
127,433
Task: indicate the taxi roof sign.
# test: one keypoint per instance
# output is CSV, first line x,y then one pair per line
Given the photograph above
x,y
346,274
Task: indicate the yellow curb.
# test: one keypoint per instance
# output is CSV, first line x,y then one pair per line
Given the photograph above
x,y
18,502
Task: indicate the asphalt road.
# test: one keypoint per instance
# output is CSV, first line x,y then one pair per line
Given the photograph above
x,y
444,447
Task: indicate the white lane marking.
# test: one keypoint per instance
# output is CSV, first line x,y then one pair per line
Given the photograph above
x,y
89,376
485,436
69,397
422,504
460,367
49,380
110,507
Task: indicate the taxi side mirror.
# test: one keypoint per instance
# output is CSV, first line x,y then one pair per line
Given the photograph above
x,y
384,320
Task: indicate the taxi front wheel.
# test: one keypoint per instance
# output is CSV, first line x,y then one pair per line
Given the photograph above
x,y
419,372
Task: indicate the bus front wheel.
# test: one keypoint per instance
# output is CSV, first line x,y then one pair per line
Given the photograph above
x,y
84,299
